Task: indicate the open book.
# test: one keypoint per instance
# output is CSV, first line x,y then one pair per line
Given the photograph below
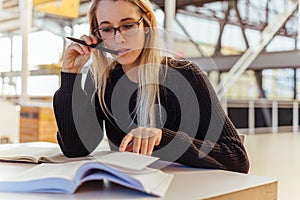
x,y
24,152
51,153
67,177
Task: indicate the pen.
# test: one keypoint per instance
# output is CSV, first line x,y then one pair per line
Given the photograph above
x,y
96,46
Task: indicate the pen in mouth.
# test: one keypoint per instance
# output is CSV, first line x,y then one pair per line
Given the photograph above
x,y
96,46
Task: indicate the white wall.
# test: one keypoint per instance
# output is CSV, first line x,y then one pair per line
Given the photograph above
x,y
9,121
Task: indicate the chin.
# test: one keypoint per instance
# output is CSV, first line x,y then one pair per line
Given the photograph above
x,y
128,59
125,61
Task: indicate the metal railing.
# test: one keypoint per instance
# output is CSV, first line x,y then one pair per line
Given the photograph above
x,y
271,115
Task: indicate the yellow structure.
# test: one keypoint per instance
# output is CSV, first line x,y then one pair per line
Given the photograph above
x,y
62,8
38,2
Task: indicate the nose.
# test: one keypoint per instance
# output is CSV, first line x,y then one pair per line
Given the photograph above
x,y
119,38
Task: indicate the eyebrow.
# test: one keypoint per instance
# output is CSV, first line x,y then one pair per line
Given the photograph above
x,y
122,20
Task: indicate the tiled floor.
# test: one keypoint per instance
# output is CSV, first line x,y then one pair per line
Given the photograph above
x,y
278,156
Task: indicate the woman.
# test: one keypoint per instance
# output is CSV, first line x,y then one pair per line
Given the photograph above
x,y
150,104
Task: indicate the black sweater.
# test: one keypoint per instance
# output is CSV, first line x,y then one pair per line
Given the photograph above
x,y
195,130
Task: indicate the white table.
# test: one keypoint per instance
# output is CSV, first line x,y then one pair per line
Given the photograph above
x,y
187,184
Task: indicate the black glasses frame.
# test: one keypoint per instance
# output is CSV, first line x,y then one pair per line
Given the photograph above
x,y
97,30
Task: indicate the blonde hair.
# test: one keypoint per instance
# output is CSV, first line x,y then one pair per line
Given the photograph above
x,y
148,69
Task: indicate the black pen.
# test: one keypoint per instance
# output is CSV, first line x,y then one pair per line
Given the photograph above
x,y
96,46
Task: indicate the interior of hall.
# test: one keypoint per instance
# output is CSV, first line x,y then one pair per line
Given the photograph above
x,y
249,49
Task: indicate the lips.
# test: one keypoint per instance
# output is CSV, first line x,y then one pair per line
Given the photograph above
x,y
122,51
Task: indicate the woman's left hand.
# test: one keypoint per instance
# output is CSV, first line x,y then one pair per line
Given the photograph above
x,y
141,140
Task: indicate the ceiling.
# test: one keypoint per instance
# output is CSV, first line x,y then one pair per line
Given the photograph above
x,y
55,15
46,14
210,9
180,4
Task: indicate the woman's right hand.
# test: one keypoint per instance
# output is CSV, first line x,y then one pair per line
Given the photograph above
x,y
76,55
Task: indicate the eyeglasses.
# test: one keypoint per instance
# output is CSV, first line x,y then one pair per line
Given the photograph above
x,y
126,29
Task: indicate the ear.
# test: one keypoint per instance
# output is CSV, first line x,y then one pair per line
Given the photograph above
x,y
147,29
149,16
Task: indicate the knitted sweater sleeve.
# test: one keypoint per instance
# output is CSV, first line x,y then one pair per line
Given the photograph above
x,y
216,143
79,130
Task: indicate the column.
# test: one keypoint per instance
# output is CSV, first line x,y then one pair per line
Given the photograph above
x,y
26,21
170,10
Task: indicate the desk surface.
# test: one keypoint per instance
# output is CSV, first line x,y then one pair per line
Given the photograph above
x,y
188,183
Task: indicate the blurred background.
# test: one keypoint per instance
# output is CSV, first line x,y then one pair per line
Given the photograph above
x,y
248,48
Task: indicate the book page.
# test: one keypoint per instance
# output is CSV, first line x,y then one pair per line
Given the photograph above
x,y
162,188
146,180
127,160
66,177
48,170
27,153
46,177
151,181
122,160
50,153
61,158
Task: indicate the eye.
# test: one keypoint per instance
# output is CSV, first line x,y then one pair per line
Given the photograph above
x,y
106,29
128,26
